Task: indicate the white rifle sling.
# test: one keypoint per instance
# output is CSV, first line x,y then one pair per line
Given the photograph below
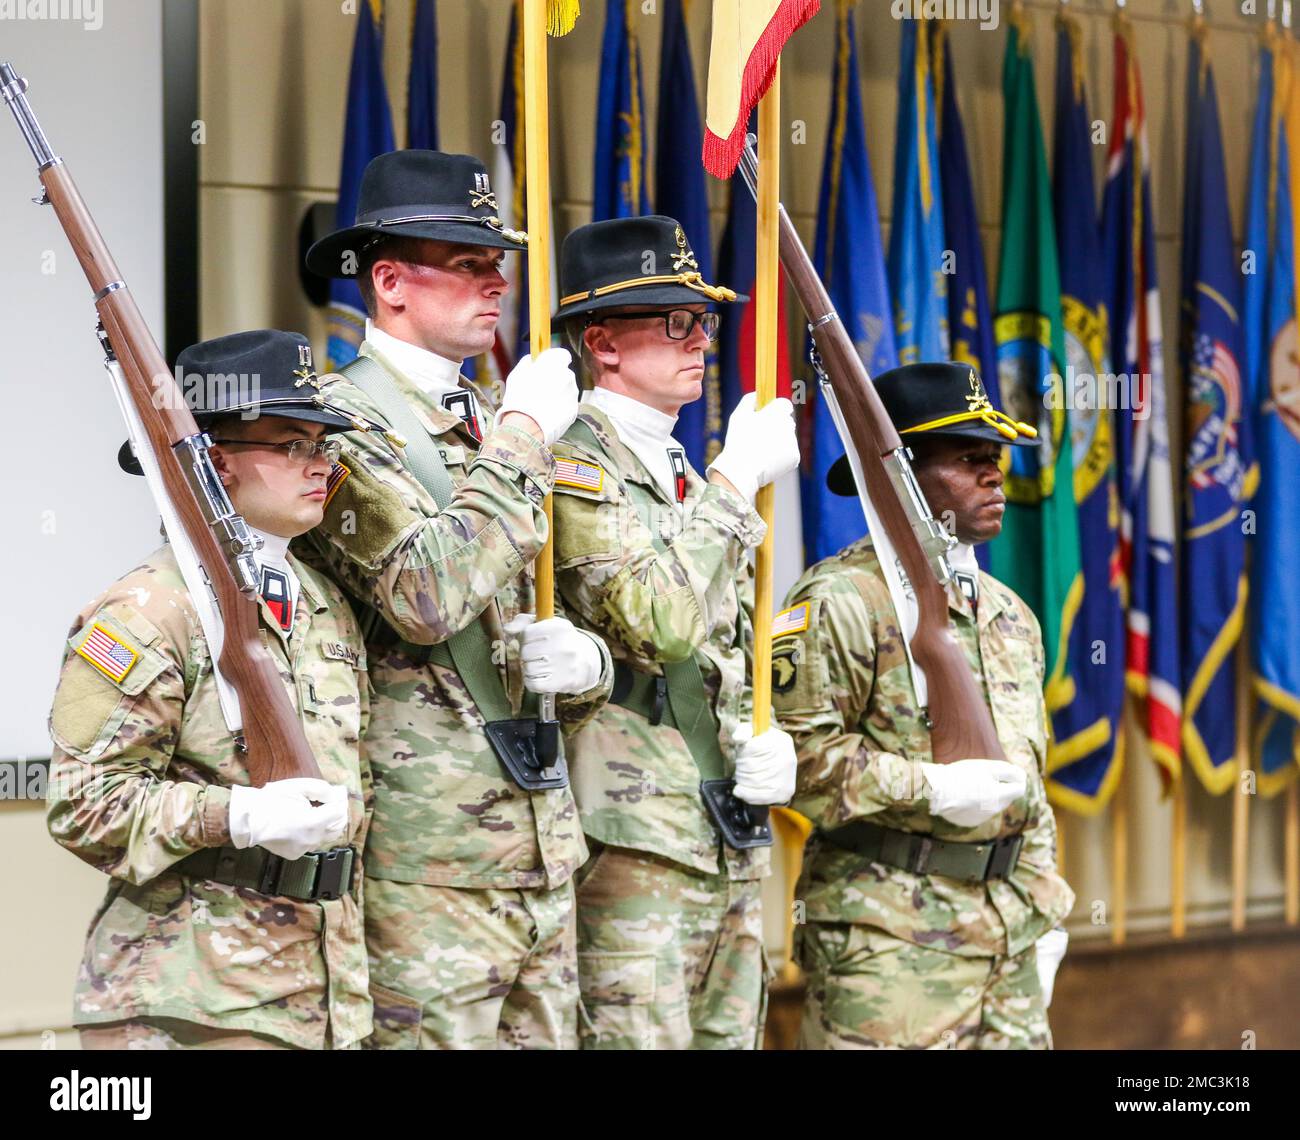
x,y
196,578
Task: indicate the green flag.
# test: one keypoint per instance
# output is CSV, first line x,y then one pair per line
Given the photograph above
x,y
1037,553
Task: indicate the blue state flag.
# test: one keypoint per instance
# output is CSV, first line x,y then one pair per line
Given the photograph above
x,y
367,132
619,187
970,317
1084,760
848,256
422,86
917,284
681,193
1276,546
1218,471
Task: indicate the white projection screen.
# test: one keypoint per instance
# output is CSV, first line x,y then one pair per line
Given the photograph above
x,y
72,521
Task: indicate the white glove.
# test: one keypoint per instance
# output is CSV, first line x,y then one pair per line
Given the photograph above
x,y
765,766
544,389
556,656
760,446
1050,951
969,792
281,816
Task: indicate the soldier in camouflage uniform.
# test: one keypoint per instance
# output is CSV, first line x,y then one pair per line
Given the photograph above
x,y
470,914
190,948
655,559
925,887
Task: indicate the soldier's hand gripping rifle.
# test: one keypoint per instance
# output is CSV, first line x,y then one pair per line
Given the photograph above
x,y
910,543
201,523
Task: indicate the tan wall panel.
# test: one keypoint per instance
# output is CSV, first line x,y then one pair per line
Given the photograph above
x,y
59,894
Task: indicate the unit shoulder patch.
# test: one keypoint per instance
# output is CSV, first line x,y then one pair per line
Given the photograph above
x,y
793,620
338,474
579,475
108,650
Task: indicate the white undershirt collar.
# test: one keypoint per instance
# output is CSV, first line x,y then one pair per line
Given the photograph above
x,y
645,431
434,375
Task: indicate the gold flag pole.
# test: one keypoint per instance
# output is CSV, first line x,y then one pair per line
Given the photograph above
x,y
1241,799
1119,844
767,268
537,172
1178,861
1292,854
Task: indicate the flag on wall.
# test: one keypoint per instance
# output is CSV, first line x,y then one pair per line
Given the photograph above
x,y
1037,553
1276,546
970,321
367,132
744,48
422,87
1142,427
619,188
1085,757
1219,474
849,257
681,193
918,285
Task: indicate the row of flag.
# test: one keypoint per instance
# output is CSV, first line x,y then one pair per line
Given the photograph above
x,y
1070,341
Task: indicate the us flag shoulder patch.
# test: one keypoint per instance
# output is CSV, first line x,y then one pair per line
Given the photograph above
x,y
793,620
575,473
338,474
108,653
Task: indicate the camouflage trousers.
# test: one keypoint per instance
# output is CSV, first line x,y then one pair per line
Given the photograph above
x,y
171,1033
452,968
870,990
668,958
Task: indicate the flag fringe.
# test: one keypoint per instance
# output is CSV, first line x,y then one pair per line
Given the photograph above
x,y
721,156
561,15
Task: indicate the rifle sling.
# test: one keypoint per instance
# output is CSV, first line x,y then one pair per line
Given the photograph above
x,y
469,651
691,712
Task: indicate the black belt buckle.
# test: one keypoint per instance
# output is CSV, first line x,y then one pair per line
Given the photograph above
x,y
269,882
516,744
661,696
742,825
334,871
1004,857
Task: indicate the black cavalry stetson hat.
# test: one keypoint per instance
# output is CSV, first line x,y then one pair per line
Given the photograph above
x,y
937,399
265,369
631,261
422,194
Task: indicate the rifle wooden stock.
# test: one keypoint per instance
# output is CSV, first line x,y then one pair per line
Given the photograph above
x,y
277,748
961,726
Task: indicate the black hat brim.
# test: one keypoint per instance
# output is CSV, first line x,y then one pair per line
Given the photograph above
x,y
325,258
839,479
127,461
640,295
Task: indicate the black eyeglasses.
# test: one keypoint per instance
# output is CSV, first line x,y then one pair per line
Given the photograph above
x,y
678,323
301,451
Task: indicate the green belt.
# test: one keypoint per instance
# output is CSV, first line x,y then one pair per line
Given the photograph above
x,y
925,855
316,876
678,700
469,651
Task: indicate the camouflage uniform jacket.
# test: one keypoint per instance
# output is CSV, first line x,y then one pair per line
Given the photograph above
x,y
140,778
637,785
842,688
446,812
